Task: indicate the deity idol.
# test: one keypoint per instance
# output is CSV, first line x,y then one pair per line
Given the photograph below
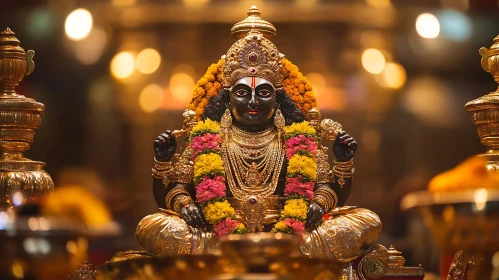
x,y
254,161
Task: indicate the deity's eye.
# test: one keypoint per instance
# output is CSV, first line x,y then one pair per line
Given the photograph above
x,y
265,93
241,93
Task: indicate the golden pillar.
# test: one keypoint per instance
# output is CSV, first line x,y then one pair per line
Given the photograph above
x,y
20,178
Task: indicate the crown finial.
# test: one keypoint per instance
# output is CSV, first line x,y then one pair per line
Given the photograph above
x,y
253,22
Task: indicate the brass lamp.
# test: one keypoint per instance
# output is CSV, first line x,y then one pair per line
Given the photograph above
x,y
20,178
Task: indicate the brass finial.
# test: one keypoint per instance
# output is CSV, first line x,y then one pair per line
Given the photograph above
x,y
21,116
15,63
485,110
253,22
395,258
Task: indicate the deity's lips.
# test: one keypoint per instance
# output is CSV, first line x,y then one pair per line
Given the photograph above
x,y
253,112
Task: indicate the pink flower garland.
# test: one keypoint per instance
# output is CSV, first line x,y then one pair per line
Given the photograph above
x,y
205,141
300,143
210,189
297,185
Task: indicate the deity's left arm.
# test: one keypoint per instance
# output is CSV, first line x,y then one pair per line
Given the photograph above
x,y
332,186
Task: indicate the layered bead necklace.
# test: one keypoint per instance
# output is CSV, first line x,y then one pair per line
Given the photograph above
x,y
253,162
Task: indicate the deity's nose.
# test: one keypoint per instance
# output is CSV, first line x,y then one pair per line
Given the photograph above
x,y
253,101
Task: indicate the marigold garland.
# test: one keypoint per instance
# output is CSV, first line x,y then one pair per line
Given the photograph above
x,y
300,177
294,83
209,177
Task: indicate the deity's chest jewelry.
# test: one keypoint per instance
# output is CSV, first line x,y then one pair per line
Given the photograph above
x,y
253,162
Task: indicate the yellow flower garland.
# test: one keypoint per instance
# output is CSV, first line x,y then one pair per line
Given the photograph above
x,y
304,165
217,211
207,164
294,83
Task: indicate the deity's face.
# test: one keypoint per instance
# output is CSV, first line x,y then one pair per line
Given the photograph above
x,y
252,101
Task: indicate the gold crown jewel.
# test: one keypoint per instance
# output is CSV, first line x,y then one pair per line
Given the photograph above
x,y
253,54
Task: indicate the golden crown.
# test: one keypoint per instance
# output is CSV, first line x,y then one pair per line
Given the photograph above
x,y
253,54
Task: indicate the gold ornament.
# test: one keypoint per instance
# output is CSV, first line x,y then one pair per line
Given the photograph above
x,y
21,116
226,121
343,170
253,162
279,120
253,55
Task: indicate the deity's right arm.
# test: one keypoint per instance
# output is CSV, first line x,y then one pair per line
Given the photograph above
x,y
172,182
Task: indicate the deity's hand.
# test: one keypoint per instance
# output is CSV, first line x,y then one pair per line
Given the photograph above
x,y
165,146
344,147
314,216
194,217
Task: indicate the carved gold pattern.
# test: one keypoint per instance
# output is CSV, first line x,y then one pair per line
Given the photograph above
x,y
253,22
344,236
165,233
85,272
252,56
324,172
330,129
19,118
485,109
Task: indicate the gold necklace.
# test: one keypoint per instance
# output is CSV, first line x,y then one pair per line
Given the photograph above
x,y
251,182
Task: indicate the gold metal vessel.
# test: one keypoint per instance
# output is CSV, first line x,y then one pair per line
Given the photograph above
x,y
19,118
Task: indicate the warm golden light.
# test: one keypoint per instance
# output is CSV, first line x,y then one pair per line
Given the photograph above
x,y
393,76
150,98
480,196
318,82
17,270
122,65
195,2
379,3
181,85
121,3
373,61
78,24
427,26
148,61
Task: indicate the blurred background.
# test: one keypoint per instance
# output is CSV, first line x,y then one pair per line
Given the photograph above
x,y
114,74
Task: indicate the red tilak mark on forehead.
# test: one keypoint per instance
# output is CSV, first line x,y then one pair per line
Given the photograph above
x,y
253,82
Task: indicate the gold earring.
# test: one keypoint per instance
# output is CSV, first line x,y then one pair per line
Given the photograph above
x,y
279,120
226,121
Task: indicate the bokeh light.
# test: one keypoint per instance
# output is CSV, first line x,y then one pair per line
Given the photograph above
x,y
427,26
373,61
78,24
89,50
181,85
148,61
122,65
40,24
17,199
393,76
150,98
432,102
455,25
318,82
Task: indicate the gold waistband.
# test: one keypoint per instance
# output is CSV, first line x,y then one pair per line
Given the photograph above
x,y
273,205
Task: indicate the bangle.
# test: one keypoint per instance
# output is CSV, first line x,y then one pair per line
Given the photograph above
x,y
182,202
162,170
329,195
343,170
172,194
322,201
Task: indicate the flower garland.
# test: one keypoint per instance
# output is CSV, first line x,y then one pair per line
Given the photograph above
x,y
209,178
301,148
294,83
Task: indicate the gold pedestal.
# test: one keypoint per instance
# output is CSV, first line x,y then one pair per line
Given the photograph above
x,y
20,178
